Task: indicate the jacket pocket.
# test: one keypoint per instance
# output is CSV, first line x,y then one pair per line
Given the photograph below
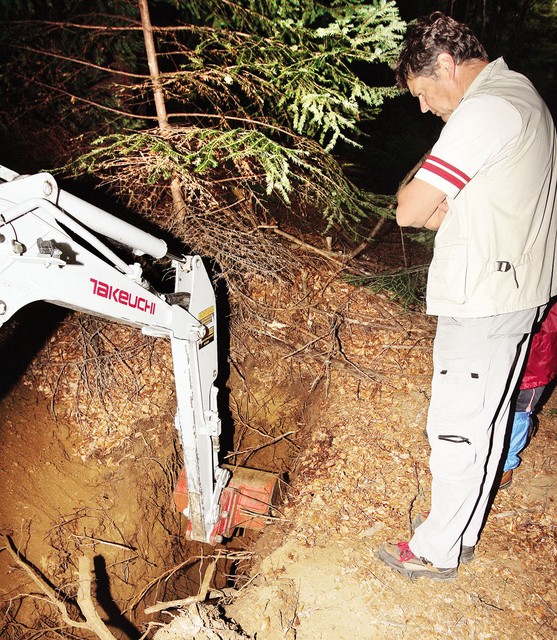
x,y
446,280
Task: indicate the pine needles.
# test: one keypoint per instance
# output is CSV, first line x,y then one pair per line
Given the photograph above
x,y
406,286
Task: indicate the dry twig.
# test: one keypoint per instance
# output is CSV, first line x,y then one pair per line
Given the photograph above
x,y
262,446
200,597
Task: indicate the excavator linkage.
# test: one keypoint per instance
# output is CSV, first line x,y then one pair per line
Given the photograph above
x,y
53,248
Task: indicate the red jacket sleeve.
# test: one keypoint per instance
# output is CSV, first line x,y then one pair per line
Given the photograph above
x,y
541,367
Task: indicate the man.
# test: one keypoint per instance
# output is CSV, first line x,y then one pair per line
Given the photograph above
x,y
489,188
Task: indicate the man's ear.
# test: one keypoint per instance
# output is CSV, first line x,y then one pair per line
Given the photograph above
x,y
445,66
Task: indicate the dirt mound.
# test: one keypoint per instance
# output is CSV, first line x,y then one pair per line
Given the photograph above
x,y
332,389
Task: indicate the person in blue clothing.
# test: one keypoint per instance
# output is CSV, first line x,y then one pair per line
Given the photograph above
x,y
541,369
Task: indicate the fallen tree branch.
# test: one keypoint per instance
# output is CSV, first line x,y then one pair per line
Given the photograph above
x,y
321,252
365,244
93,621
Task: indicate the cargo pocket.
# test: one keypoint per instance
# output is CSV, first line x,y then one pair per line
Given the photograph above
x,y
459,395
446,281
452,455
458,398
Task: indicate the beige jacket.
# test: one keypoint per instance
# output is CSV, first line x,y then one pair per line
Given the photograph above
x,y
496,250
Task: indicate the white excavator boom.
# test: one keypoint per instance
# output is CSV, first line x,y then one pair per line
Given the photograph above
x,y
50,250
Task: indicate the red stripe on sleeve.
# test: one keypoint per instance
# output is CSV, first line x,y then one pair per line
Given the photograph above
x,y
449,167
449,177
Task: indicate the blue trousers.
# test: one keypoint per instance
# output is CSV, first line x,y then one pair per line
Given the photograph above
x,y
525,405
519,438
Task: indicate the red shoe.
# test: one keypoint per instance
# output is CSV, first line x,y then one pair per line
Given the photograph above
x,y
466,553
400,558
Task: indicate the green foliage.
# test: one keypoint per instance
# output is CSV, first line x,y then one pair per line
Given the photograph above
x,y
290,62
294,61
260,88
240,157
406,286
199,150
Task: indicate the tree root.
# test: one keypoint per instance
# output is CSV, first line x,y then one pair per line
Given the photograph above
x,y
85,603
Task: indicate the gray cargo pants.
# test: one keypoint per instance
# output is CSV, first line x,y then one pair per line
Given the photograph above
x,y
477,364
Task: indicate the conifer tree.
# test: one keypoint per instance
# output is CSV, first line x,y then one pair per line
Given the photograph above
x,y
259,95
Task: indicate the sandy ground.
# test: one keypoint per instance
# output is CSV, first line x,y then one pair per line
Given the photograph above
x,y
324,580
343,415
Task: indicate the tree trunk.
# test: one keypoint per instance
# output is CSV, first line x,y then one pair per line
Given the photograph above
x,y
153,64
160,106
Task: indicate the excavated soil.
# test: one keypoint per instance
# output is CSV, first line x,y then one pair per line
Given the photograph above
x,y
363,477
332,390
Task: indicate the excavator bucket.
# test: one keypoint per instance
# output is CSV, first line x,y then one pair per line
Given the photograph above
x,y
246,502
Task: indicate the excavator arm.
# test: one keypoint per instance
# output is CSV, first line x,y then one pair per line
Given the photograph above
x,y
50,250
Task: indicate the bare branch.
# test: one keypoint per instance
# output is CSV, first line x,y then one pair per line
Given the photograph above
x,y
84,63
43,585
115,28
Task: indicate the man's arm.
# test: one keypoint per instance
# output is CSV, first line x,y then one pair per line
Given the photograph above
x,y
419,205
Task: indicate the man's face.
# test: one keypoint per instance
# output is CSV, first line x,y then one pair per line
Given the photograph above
x,y
436,94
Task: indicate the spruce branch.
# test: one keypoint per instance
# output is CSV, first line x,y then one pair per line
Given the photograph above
x,y
252,97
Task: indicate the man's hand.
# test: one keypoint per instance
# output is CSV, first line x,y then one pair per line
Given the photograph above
x,y
437,218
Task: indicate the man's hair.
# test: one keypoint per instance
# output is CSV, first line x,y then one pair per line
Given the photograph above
x,y
428,37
